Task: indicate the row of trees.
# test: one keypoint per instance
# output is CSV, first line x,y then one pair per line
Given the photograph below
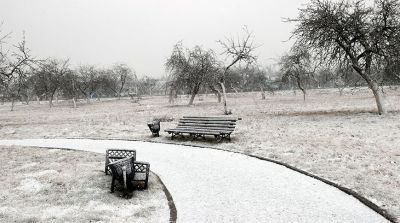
x,y
23,77
337,44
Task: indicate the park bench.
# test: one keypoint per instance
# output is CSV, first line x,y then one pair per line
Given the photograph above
x,y
141,169
196,126
122,171
113,155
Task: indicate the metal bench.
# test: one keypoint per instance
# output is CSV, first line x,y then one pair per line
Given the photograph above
x,y
141,177
196,126
122,171
113,155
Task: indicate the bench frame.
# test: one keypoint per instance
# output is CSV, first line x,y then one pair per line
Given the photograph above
x,y
113,155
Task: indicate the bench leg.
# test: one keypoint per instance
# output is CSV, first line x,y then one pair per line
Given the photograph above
x,y
112,184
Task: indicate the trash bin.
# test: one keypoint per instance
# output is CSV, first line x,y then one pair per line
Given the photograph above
x,y
154,127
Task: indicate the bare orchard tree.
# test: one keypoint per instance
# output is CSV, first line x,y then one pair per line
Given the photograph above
x,y
117,78
237,50
48,78
68,86
354,31
193,69
15,65
297,67
88,81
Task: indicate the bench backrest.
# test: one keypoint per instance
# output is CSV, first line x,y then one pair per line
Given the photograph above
x,y
208,123
120,153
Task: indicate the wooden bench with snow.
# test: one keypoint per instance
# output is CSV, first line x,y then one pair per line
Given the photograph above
x,y
196,126
140,169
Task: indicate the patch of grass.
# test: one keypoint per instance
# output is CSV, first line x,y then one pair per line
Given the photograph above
x,y
52,185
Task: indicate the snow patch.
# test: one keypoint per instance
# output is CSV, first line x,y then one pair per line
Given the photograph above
x,y
31,186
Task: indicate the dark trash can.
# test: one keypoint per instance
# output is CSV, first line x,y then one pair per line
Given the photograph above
x,y
155,127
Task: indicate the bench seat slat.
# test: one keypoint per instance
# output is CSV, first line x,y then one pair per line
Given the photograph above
x,y
206,129
194,125
211,118
208,122
198,132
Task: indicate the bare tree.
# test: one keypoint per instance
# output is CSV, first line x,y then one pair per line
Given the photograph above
x,y
353,31
89,81
15,65
117,78
193,69
237,50
69,86
49,77
297,67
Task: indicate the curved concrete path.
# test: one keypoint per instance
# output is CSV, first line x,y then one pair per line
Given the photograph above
x,y
215,186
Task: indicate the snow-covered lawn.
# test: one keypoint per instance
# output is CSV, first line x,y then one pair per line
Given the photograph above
x,y
53,185
216,186
336,138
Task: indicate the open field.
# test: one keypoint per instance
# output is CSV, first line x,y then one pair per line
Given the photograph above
x,y
53,185
336,138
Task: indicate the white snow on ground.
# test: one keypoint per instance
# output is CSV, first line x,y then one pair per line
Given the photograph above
x,y
216,186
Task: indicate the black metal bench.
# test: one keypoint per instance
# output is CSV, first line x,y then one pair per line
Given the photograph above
x,y
196,126
141,176
122,171
113,155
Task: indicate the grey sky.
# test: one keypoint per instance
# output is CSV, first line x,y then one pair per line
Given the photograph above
x,y
142,33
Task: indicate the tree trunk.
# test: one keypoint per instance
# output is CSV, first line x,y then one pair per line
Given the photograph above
x,y
262,93
378,98
38,100
51,101
27,100
219,96
216,92
12,104
226,112
192,98
371,84
171,96
74,101
301,87
56,98
195,91
304,94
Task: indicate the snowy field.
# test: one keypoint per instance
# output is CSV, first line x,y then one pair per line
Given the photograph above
x,y
338,138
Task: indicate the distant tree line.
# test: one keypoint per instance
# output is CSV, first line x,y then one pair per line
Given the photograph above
x,y
24,78
338,44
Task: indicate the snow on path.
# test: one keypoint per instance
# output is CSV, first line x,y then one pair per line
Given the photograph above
x,y
216,186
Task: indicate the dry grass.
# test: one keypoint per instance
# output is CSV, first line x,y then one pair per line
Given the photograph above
x,y
337,138
52,185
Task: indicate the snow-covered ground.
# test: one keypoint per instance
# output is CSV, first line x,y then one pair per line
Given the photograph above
x,y
216,186
338,138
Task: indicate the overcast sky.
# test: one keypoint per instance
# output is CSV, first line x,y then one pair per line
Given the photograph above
x,y
142,33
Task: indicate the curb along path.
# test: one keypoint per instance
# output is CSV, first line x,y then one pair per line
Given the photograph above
x,y
217,186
